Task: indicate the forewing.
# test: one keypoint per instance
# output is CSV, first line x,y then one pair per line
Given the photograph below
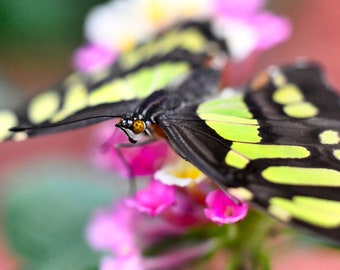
x,y
80,100
259,142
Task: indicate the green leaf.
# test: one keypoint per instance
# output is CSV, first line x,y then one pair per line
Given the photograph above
x,y
44,220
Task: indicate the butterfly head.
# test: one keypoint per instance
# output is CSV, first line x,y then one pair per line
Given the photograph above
x,y
133,126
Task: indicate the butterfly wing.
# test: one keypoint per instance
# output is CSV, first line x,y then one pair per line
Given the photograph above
x,y
80,100
277,143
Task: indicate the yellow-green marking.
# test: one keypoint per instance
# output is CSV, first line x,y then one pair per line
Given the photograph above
x,y
301,110
75,99
319,212
230,118
302,176
257,151
236,160
7,120
139,84
189,39
43,106
288,93
329,137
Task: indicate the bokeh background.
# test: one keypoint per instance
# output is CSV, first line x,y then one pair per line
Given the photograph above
x,y
37,38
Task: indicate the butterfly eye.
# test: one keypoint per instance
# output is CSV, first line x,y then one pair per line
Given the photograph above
x,y
138,126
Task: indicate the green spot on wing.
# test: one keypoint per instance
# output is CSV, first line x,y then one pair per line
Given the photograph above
x,y
288,93
319,212
236,160
147,80
139,84
167,72
301,110
189,39
113,91
75,99
336,153
256,151
7,120
43,106
329,137
141,81
302,176
235,131
230,118
230,107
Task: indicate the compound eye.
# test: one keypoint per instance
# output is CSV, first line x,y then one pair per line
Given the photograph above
x,y
138,126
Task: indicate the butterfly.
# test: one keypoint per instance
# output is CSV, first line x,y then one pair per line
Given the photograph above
x,y
275,140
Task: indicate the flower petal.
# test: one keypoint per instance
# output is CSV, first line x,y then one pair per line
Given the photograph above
x,y
92,57
179,173
237,7
153,199
223,210
271,29
112,231
138,160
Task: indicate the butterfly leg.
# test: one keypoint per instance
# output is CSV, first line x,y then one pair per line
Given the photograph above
x,y
132,180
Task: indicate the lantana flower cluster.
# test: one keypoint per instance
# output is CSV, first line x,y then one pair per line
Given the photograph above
x,y
178,198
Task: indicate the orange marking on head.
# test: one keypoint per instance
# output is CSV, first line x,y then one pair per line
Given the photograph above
x,y
138,126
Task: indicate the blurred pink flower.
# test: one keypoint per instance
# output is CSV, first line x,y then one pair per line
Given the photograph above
x,y
111,230
223,210
93,57
138,160
187,210
237,8
271,29
248,27
124,233
153,199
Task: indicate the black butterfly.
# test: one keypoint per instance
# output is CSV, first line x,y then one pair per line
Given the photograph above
x,y
276,140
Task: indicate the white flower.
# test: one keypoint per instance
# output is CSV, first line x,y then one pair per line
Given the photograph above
x,y
121,24
180,173
242,39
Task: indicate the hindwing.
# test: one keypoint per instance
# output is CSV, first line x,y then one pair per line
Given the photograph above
x,y
277,143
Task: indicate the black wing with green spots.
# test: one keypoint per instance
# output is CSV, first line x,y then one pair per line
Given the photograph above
x,y
80,100
277,144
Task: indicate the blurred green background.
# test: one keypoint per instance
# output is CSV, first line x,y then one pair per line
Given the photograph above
x,y
37,38
48,28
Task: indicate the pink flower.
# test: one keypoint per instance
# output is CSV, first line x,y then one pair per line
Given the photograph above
x,y
237,8
93,57
187,210
153,199
271,29
223,210
247,27
110,230
137,160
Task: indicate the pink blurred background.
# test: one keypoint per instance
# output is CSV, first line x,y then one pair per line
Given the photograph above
x,y
315,36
